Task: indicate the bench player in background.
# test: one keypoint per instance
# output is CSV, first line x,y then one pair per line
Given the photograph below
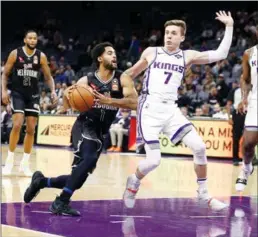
x,y
157,110
25,64
250,141
111,93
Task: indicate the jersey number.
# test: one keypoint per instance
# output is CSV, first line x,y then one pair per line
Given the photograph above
x,y
26,81
169,75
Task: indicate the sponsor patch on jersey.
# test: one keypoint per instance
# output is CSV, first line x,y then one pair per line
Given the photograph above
x,y
21,60
35,60
93,86
114,85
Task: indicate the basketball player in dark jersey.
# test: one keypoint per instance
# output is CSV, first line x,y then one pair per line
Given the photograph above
x,y
24,63
110,93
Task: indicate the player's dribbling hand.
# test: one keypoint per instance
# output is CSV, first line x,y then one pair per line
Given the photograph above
x,y
101,99
242,107
225,18
5,97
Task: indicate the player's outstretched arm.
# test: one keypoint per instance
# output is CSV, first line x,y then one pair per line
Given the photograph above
x,y
7,70
196,57
48,78
130,96
141,65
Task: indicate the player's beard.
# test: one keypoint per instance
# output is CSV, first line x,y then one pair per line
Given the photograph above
x,y
30,47
109,66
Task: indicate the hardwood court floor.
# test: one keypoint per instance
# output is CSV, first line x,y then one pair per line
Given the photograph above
x,y
173,180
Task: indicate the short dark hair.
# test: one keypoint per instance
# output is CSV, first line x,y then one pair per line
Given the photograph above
x,y
98,50
29,31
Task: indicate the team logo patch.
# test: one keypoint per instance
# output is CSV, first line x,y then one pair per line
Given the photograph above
x,y
114,85
178,56
35,60
107,94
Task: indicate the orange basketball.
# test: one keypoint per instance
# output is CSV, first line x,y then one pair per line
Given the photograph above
x,y
81,98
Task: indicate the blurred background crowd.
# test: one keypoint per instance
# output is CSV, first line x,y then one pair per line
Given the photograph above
x,y
67,36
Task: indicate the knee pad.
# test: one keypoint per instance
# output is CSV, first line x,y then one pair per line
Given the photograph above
x,y
199,153
152,161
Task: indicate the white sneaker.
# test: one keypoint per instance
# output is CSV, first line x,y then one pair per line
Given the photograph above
x,y
7,170
241,181
25,169
212,203
131,190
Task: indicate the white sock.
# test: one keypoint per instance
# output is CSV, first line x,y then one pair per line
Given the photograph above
x,y
135,179
10,155
247,168
26,157
202,185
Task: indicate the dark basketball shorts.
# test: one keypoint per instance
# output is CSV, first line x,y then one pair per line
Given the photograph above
x,y
28,105
86,141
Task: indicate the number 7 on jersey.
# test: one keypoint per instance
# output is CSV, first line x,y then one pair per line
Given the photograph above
x,y
169,75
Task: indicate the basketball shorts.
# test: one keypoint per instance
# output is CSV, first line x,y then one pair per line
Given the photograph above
x,y
28,105
85,132
155,117
251,116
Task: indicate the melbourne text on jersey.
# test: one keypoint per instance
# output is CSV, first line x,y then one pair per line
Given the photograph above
x,y
26,71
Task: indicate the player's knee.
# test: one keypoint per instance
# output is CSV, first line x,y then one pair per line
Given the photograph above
x,y
17,125
200,153
30,131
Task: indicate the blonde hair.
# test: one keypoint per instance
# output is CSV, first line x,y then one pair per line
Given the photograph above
x,y
179,23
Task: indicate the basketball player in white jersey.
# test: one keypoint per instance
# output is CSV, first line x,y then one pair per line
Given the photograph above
x,y
249,83
157,110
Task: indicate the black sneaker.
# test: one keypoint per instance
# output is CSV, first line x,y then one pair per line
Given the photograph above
x,y
34,188
59,207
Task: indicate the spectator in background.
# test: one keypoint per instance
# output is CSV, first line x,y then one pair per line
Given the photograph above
x,y
119,128
60,76
222,89
219,112
69,73
208,82
62,62
198,98
134,50
45,103
53,65
206,111
64,86
59,90
198,112
183,99
237,70
214,97
220,34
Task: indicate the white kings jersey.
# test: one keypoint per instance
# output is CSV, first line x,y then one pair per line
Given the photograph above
x,y
253,62
164,75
